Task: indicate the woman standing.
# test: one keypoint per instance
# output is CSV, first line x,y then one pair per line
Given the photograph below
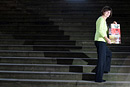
x,y
104,54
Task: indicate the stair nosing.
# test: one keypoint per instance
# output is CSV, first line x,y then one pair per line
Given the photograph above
x,y
34,72
13,64
58,58
60,51
64,81
65,46
42,45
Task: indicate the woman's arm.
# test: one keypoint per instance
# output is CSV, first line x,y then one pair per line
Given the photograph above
x,y
107,39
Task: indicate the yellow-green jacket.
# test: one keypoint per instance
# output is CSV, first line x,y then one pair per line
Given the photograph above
x,y
101,29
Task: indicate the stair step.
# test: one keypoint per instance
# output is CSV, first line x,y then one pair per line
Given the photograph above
x,y
39,47
78,25
71,8
33,21
86,29
93,16
37,37
70,12
43,35
89,36
112,48
72,48
24,16
30,28
77,18
80,36
61,75
35,32
72,2
39,75
59,83
80,20
53,60
91,43
55,42
36,42
59,68
81,54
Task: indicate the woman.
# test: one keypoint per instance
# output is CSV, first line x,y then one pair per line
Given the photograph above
x,y
104,54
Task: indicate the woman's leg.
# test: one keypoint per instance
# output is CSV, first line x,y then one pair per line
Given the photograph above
x,y
108,60
101,51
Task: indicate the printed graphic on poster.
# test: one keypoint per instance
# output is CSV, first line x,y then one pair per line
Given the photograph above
x,y
115,34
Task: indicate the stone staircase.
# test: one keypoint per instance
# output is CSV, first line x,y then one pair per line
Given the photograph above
x,y
50,44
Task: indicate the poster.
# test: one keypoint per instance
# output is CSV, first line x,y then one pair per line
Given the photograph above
x,y
115,34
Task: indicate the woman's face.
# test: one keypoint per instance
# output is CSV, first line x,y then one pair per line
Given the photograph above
x,y
107,13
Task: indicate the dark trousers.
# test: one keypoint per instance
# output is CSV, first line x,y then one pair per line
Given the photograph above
x,y
104,60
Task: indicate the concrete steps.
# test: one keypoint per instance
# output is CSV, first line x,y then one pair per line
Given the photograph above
x,y
113,48
56,60
60,48
60,68
50,43
60,75
63,83
36,42
58,54
39,47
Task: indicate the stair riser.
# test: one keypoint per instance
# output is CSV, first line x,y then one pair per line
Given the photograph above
x,y
29,61
30,27
22,54
80,20
62,76
75,16
85,55
87,33
42,76
114,55
113,49
92,37
72,12
88,29
61,61
71,26
60,84
117,77
60,68
24,22
38,48
55,37
91,43
26,42
38,38
35,32
59,54
24,16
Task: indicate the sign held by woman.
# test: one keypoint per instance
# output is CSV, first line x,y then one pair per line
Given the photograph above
x,y
115,34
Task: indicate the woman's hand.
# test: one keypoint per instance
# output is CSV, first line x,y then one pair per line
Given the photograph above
x,y
114,22
107,39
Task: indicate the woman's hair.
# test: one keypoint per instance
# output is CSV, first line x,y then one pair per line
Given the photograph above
x,y
106,8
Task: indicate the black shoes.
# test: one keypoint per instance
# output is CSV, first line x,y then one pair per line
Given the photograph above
x,y
101,81
105,72
95,72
